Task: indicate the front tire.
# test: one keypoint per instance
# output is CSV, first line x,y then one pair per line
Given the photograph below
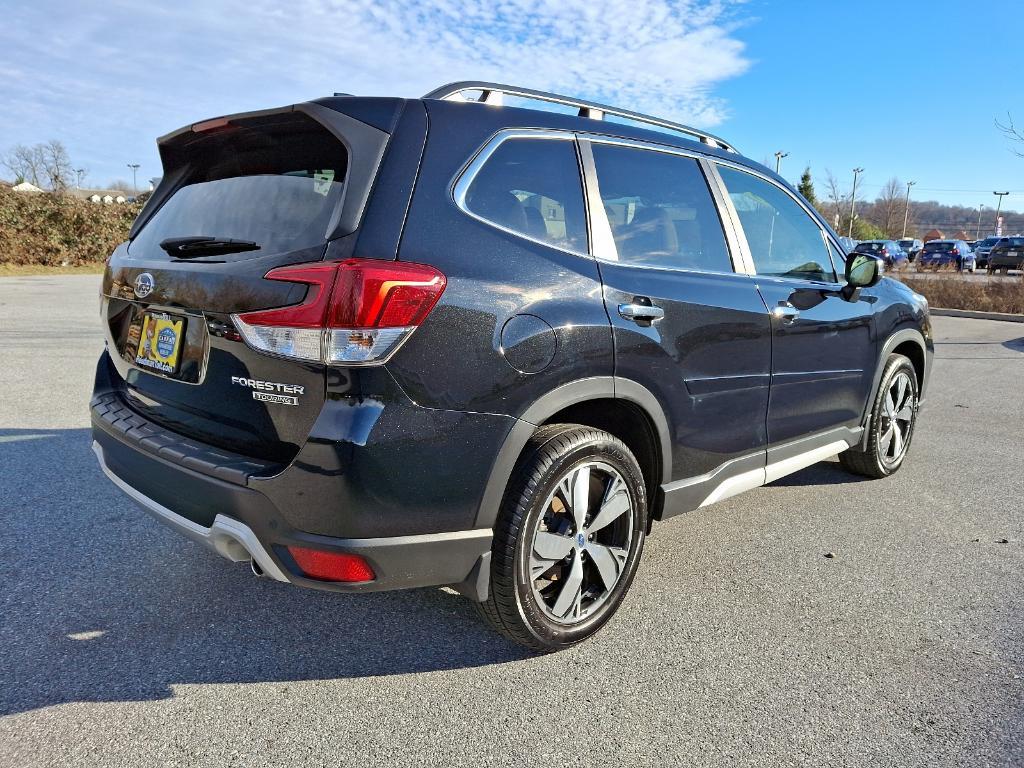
x,y
568,538
891,427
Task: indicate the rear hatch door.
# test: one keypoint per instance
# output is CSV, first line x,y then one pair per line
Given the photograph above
x,y
240,196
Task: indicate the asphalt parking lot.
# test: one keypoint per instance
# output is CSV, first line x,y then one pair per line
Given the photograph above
x,y
740,643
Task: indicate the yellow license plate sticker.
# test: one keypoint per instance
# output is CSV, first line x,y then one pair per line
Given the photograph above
x,y
160,342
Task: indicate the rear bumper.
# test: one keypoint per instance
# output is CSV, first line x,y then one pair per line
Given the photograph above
x,y
227,537
246,527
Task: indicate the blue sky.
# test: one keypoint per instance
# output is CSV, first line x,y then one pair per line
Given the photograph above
x,y
904,88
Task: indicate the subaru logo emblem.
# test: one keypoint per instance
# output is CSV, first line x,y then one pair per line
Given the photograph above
x,y
144,285
580,540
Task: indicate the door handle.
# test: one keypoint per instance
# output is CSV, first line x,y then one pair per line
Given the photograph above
x,y
785,312
640,313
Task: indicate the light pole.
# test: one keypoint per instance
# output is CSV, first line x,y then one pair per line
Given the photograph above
x,y
977,232
79,172
778,160
999,205
853,199
906,209
135,168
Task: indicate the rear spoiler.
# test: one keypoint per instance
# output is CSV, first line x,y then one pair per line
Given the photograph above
x,y
365,144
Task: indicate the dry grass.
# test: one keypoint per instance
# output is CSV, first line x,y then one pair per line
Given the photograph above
x,y
954,291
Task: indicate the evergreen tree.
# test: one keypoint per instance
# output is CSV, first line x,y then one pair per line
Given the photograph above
x,y
806,187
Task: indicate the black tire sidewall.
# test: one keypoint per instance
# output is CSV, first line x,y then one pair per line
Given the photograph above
x,y
598,447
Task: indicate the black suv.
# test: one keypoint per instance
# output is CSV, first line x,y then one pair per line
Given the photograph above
x,y
1006,254
375,343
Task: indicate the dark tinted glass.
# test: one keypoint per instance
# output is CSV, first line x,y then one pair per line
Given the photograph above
x,y
938,247
277,185
784,240
532,187
660,209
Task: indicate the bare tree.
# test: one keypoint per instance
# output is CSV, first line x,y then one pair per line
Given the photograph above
x,y
890,206
26,163
44,165
1012,132
57,165
835,197
121,186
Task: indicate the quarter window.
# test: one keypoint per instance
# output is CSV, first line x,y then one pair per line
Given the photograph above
x,y
784,240
660,209
532,187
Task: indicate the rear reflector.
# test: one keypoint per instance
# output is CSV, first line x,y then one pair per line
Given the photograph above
x,y
331,566
356,312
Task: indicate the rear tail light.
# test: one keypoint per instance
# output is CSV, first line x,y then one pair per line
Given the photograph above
x,y
356,312
331,566
956,251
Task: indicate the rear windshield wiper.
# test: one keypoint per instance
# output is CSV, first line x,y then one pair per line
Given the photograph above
x,y
191,247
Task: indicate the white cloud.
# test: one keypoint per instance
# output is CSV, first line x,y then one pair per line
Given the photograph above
x,y
110,78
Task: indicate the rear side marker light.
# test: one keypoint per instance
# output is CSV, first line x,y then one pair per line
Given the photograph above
x,y
331,566
356,312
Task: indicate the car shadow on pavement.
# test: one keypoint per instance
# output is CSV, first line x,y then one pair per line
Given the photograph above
x,y
822,473
102,603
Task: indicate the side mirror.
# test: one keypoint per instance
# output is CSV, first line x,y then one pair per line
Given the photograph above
x,y
864,270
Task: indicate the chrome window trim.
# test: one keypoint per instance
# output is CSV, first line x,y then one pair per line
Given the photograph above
x,y
742,235
603,247
466,175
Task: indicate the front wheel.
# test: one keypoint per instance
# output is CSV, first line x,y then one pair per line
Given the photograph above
x,y
568,538
891,427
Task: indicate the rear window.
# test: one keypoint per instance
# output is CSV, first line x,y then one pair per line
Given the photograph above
x,y
906,244
660,210
532,187
869,247
935,247
276,184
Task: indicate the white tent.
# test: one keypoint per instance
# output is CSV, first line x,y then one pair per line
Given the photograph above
x,y
26,187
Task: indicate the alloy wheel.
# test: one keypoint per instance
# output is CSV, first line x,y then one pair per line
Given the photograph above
x,y
897,418
581,543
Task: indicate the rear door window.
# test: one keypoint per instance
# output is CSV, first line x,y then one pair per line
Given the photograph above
x,y
275,185
660,209
784,240
532,187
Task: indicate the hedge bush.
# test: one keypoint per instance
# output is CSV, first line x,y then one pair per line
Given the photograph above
x,y
56,229
954,291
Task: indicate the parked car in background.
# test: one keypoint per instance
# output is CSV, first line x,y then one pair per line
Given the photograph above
x,y
911,246
981,250
947,253
1007,254
889,250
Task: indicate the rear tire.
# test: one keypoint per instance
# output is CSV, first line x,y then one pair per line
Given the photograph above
x,y
891,427
568,538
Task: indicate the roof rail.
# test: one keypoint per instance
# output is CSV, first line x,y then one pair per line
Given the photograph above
x,y
494,93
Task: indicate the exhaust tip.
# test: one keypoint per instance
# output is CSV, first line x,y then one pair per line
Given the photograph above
x,y
257,571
